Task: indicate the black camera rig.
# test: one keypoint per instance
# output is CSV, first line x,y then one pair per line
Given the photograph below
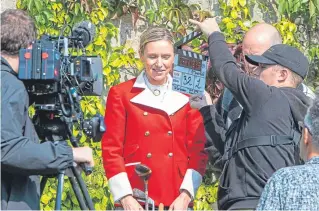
x,y
56,82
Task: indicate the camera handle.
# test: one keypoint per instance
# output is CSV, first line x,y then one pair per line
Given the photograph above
x,y
87,169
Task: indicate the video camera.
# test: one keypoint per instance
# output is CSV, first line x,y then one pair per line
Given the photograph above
x,y
56,82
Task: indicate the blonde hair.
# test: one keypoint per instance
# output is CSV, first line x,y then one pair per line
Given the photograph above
x,y
154,34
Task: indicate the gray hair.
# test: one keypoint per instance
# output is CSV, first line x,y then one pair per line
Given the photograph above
x,y
314,116
155,34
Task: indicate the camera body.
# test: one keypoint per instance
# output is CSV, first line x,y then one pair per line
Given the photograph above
x,y
57,81
43,67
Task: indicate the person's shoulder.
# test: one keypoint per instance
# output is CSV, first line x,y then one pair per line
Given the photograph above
x,y
10,81
290,174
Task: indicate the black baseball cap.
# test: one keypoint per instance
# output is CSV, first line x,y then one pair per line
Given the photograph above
x,y
284,55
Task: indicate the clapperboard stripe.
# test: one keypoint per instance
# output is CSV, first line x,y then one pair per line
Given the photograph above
x,y
184,53
187,38
193,35
192,54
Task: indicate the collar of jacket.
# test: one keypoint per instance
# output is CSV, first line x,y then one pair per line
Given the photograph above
x,y
172,102
5,66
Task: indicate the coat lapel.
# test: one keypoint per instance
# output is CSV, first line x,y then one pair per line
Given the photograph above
x,y
172,102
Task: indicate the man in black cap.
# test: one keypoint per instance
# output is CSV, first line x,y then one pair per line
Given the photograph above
x,y
292,63
266,136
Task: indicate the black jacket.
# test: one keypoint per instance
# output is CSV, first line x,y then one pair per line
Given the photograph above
x,y
22,156
267,111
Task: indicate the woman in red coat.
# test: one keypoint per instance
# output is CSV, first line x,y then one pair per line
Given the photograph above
x,y
149,123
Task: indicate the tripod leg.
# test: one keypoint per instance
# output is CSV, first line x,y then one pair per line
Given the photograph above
x,y
58,201
42,184
77,193
83,188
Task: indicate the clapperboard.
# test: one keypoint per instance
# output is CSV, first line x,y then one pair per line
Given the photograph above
x,y
189,74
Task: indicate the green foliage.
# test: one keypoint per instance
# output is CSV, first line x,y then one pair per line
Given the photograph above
x,y
206,196
293,8
236,19
287,30
304,15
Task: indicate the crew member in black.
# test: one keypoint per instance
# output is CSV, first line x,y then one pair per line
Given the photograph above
x,y
265,137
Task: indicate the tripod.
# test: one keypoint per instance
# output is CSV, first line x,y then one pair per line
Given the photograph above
x,y
78,186
55,124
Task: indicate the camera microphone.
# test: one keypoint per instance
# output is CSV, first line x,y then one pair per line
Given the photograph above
x,y
84,33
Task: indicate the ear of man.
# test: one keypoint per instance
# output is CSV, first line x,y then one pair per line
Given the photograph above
x,y
286,75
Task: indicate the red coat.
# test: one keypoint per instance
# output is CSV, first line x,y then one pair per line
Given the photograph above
x,y
169,138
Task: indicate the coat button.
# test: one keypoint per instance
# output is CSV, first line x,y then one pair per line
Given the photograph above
x,y
169,133
145,113
147,133
149,155
170,154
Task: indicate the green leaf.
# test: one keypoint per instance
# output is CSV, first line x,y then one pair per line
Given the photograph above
x,y
233,3
19,5
151,16
38,5
48,14
312,8
117,62
64,196
77,8
242,3
226,20
234,14
231,40
230,25
296,6
30,4
246,12
100,15
52,190
195,43
47,208
45,198
139,65
98,207
282,7
104,11
222,5
292,27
